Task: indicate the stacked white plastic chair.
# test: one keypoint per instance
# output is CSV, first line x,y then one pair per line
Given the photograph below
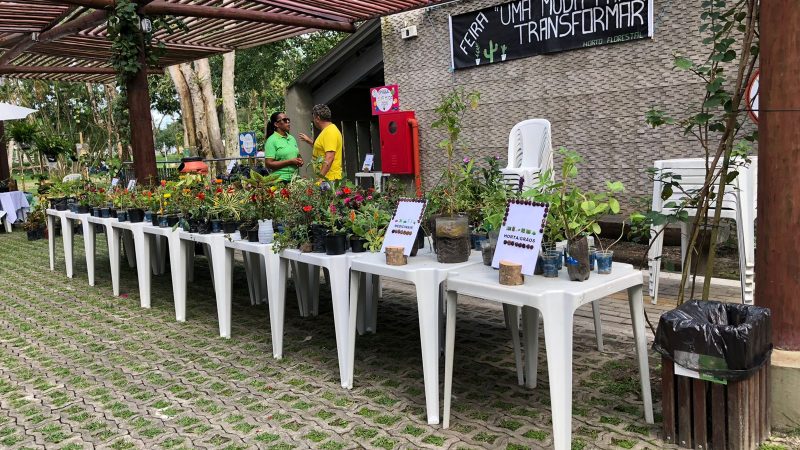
x,y
530,151
739,203
71,177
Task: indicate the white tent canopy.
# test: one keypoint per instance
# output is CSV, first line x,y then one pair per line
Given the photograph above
x,y
13,112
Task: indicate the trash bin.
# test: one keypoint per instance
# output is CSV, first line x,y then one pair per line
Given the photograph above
x,y
715,380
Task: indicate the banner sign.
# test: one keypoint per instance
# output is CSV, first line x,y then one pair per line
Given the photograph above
x,y
525,28
405,224
521,234
385,99
247,144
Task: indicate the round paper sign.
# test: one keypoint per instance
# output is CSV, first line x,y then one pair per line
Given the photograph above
x,y
383,99
752,96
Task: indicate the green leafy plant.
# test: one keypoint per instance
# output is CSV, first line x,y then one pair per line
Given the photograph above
x,y
450,113
370,223
573,213
22,132
729,30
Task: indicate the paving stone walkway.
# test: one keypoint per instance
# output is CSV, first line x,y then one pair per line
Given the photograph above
x,y
81,368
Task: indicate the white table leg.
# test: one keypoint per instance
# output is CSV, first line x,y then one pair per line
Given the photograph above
x,y
340,289
130,247
373,293
248,271
51,240
313,277
66,234
220,273
276,269
210,258
361,314
300,286
177,273
449,350
355,282
112,235
179,278
143,270
188,261
511,313
89,248
223,290
530,331
428,308
558,328
598,324
637,318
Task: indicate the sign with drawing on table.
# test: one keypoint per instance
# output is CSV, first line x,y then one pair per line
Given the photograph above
x,y
521,234
403,228
247,144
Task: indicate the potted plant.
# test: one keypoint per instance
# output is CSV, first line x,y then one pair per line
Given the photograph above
x,y
369,225
35,224
574,213
263,189
451,229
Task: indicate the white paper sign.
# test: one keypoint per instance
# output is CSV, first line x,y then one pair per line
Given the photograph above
x,y
230,166
132,184
403,228
521,234
368,159
114,182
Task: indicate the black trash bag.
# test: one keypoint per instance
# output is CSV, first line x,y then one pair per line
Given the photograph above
x,y
724,340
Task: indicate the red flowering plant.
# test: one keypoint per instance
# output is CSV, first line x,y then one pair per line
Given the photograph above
x,y
262,190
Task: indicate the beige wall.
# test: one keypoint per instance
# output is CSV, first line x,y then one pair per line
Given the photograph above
x,y
595,98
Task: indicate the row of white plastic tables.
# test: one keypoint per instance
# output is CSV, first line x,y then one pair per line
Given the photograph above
x,y
354,279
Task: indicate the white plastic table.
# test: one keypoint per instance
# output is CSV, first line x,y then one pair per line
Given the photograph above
x,y
66,236
4,221
220,272
263,266
88,243
556,299
16,206
307,282
113,250
427,275
142,252
181,264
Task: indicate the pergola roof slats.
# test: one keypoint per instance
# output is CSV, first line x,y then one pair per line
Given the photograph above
x,y
72,34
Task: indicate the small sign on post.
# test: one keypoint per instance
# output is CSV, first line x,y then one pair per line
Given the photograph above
x,y
403,229
247,144
367,167
132,184
521,234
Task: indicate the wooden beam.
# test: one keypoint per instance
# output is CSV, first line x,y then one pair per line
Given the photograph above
x,y
10,69
160,8
777,282
73,26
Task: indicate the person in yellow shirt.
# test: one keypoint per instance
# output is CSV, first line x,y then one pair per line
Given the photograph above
x,y
328,144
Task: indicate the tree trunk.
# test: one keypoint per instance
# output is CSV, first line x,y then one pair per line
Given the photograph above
x,y
187,111
203,71
111,129
201,127
229,105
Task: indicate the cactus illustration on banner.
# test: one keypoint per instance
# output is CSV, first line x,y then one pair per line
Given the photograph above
x,y
489,52
503,49
477,54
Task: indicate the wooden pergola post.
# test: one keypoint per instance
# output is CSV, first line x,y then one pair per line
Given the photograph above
x,y
777,257
5,173
142,144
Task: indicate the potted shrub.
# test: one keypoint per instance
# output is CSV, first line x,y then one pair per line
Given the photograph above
x,y
262,190
574,213
369,225
450,228
35,224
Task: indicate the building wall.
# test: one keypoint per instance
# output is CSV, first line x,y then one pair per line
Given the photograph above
x,y
595,98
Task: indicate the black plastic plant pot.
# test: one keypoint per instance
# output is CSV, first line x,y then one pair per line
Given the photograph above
x,y
113,212
358,245
163,221
96,211
136,215
122,215
105,213
203,226
317,234
172,220
335,244
229,227
154,219
35,235
61,204
252,235
83,209
216,226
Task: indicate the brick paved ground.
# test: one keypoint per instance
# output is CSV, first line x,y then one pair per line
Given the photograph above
x,y
80,368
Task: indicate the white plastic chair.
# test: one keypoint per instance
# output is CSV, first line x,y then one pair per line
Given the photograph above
x,y
739,203
71,177
530,151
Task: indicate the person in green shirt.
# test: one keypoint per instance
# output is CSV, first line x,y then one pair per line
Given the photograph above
x,y
280,150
